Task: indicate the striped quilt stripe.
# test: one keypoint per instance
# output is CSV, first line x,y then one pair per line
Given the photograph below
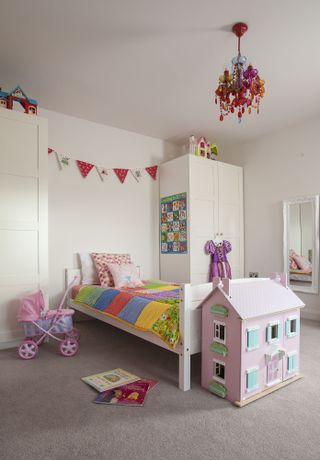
x,y
133,309
151,314
118,303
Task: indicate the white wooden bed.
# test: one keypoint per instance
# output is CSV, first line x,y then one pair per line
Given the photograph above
x,y
190,325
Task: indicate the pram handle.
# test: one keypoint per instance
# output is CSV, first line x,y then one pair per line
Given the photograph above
x,y
67,292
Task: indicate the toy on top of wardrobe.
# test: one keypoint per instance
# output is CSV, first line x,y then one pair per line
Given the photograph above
x,y
202,148
18,95
219,265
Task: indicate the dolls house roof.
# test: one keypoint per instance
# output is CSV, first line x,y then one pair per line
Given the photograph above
x,y
4,94
259,297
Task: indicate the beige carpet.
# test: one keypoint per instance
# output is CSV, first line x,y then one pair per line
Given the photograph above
x,y
46,411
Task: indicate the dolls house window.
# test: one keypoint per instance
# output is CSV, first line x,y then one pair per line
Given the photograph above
x,y
219,371
292,326
219,332
273,332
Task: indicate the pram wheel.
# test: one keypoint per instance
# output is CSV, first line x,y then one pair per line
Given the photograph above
x,y
28,349
74,334
68,347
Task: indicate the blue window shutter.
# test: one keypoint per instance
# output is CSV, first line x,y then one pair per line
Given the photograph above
x,y
253,338
269,334
252,379
292,362
288,328
250,341
298,325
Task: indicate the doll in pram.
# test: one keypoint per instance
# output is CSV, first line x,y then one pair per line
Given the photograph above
x,y
39,324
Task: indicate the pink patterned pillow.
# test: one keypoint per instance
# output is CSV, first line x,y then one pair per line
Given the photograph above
x,y
102,261
125,275
302,263
293,265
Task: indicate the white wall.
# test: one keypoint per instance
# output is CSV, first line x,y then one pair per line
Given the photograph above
x,y
91,215
281,165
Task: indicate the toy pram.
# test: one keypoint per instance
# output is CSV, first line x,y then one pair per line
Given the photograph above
x,y
39,324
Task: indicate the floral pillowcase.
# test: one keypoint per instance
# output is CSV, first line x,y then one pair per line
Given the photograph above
x,y
102,262
125,276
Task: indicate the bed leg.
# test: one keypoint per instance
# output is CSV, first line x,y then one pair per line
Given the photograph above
x,y
185,371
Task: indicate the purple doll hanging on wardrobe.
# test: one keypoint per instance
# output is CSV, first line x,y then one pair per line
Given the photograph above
x,y
219,266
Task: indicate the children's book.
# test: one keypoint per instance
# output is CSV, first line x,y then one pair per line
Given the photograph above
x,y
132,394
110,379
152,383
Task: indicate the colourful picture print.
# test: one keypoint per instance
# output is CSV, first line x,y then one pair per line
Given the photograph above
x,y
173,224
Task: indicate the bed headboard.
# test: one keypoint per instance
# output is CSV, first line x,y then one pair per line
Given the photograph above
x,y
71,273
76,272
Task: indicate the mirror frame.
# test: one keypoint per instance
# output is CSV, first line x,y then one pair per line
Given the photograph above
x,y
314,200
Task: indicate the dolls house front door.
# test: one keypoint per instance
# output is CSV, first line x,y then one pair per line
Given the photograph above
x,y
274,368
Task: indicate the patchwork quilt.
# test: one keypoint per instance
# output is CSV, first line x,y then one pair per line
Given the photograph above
x,y
153,308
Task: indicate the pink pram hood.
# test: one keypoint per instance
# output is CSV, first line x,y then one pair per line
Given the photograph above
x,y
31,307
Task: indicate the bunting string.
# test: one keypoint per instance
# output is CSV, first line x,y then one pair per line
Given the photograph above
x,y
86,168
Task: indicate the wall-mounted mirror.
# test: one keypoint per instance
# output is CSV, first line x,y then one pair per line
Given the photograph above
x,y
301,243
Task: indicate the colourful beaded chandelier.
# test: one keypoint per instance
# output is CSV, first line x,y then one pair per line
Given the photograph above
x,y
241,89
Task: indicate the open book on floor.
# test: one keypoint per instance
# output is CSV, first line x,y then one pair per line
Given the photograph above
x,y
132,394
110,379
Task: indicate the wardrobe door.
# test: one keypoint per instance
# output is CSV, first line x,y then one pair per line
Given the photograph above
x,y
203,214
23,214
231,213
174,179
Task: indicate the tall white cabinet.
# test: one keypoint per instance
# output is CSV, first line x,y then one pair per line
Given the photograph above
x,y
23,214
214,211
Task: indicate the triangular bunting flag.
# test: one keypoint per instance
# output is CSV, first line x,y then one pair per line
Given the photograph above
x,y
152,170
50,150
103,172
121,173
136,173
84,167
63,160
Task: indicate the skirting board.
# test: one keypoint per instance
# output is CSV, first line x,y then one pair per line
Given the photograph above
x,y
268,391
10,344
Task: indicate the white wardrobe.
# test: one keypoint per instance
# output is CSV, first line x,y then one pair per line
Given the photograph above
x,y
214,212
23,214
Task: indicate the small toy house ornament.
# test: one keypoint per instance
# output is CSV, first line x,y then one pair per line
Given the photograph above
x,y
201,147
17,94
250,338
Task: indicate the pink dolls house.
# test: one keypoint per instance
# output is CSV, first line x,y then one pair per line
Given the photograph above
x,y
250,338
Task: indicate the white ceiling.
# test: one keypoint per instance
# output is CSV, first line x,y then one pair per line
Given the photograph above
x,y
152,66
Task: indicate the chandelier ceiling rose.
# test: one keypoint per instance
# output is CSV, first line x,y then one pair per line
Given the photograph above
x,y
239,29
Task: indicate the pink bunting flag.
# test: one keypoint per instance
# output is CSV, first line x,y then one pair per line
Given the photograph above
x,y
121,173
152,170
84,167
